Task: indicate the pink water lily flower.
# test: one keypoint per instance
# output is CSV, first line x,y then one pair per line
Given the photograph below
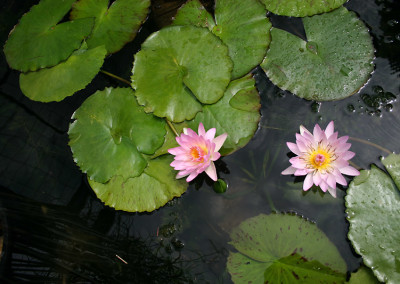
x,y
197,153
322,157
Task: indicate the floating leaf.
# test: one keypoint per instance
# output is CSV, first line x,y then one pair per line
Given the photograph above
x,y
115,25
152,189
363,275
177,69
373,209
64,79
241,25
301,8
334,63
271,244
236,113
38,42
110,134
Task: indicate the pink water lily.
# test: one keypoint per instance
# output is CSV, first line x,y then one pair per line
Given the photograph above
x,y
197,153
322,157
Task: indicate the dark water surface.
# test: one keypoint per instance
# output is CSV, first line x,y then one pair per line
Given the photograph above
x,y
56,230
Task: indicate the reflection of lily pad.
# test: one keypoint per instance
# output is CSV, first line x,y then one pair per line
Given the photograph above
x,y
301,8
177,69
110,134
38,42
335,62
115,25
241,25
64,79
373,208
236,113
271,245
147,192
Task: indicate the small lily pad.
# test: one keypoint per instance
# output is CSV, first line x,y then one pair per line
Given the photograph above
x,y
38,41
281,244
64,79
152,189
110,134
373,209
301,8
115,25
178,69
335,62
236,113
193,13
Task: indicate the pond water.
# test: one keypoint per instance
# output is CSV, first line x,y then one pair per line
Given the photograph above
x,y
56,230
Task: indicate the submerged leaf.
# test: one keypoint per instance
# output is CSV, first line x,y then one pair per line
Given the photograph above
x,y
63,80
115,25
38,41
335,62
110,134
373,209
152,189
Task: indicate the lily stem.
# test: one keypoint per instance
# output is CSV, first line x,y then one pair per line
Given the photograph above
x,y
115,77
172,127
371,144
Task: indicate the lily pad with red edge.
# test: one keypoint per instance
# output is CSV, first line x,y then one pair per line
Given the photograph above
x,y
63,80
335,63
301,8
373,211
178,69
112,135
115,25
37,41
270,245
153,188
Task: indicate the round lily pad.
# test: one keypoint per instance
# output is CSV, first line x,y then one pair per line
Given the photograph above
x,y
236,113
178,69
64,79
282,248
193,13
115,25
110,134
373,209
37,41
301,8
152,189
335,62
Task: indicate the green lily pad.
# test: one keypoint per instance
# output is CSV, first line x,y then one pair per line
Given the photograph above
x,y
177,69
37,41
373,209
241,25
110,134
152,189
64,79
115,25
335,62
364,275
283,244
301,8
236,113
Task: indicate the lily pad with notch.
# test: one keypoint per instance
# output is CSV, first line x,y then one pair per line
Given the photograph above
x,y
334,63
115,25
178,69
112,135
37,41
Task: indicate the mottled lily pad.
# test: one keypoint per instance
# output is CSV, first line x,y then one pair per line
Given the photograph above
x,y
178,69
110,135
241,25
115,25
236,113
301,8
335,62
152,189
38,41
283,245
373,209
64,79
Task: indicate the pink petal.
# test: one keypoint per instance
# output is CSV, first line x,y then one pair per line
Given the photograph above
x,y
331,181
210,134
301,172
329,129
332,191
201,130
318,133
191,133
304,130
302,147
324,186
219,141
215,156
297,162
293,147
350,171
308,182
211,172
191,176
317,178
289,171
348,155
339,177
176,151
